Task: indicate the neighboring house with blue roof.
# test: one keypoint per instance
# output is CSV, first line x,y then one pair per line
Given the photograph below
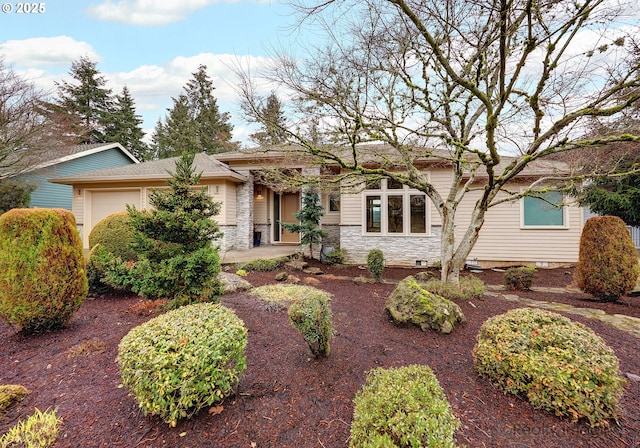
x,y
69,161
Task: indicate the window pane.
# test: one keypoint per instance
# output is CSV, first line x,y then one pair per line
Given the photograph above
x,y
538,212
334,202
374,210
394,214
394,185
418,214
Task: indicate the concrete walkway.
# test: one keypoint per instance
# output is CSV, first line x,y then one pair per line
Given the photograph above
x,y
621,322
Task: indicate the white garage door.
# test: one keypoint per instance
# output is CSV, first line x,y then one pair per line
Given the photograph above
x,y
104,203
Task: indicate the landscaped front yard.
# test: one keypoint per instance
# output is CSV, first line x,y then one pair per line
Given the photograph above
x,y
288,399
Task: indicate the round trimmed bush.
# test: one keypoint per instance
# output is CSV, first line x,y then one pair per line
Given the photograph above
x,y
607,262
183,360
115,234
559,365
43,280
402,407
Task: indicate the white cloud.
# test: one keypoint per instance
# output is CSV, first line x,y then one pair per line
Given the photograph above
x,y
57,51
148,12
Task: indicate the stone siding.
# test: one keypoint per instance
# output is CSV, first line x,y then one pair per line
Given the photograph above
x,y
401,250
228,240
265,230
244,214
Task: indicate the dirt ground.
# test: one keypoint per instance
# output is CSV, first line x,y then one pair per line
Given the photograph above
x,y
288,399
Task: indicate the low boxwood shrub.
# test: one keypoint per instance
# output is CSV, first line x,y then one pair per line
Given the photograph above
x,y
262,264
40,430
375,264
520,278
181,361
402,407
43,279
334,256
116,235
559,365
470,287
310,314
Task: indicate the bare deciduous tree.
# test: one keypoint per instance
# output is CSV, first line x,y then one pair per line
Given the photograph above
x,y
466,82
24,131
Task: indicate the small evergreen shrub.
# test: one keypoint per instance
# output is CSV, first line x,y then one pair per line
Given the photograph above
x,y
402,407
520,278
40,430
184,360
335,256
311,316
375,263
470,287
559,365
262,264
116,235
43,280
607,262
11,393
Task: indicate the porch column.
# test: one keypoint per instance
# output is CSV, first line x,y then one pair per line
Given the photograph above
x,y
244,213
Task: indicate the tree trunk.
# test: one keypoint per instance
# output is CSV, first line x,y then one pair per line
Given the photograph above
x,y
453,258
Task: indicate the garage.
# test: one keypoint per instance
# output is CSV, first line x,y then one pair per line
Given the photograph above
x,y
104,203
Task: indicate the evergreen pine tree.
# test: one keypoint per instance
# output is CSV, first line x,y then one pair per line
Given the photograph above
x,y
309,216
272,123
177,260
89,102
123,126
194,123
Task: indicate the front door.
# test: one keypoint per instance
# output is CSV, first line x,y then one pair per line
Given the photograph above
x,y
284,210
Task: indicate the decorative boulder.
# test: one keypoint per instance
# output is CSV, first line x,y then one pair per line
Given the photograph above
x,y
411,303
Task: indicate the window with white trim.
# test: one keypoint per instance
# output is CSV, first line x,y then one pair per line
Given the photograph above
x,y
393,209
547,211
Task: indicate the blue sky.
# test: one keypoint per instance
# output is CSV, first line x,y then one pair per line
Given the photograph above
x,y
152,46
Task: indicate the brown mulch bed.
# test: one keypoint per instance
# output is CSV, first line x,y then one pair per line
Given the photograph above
x,y
288,399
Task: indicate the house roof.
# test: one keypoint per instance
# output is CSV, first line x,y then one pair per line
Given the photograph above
x,y
54,156
376,154
162,169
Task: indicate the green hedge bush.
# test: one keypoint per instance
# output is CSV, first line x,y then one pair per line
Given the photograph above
x,y
559,365
43,280
311,316
402,407
183,360
607,262
520,278
116,235
375,264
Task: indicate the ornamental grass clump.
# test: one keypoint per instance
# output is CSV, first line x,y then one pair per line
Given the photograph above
x,y
470,287
608,264
183,360
40,430
311,316
520,278
559,365
402,407
43,281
